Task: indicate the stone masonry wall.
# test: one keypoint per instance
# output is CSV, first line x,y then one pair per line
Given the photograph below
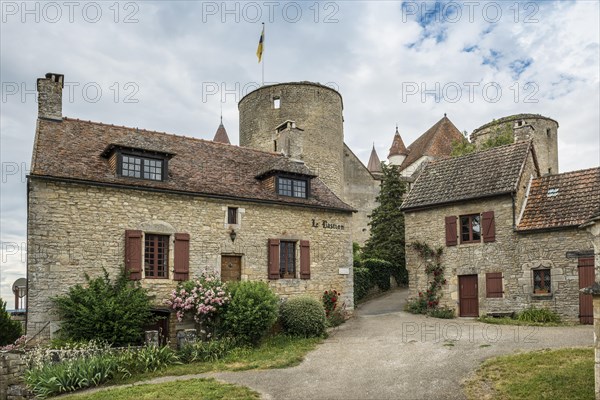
x,y
513,254
315,108
12,368
360,191
75,229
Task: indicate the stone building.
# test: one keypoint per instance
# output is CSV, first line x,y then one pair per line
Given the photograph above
x,y
511,238
167,208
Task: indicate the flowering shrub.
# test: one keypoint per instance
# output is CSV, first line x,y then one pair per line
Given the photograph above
x,y
204,298
428,301
330,298
17,345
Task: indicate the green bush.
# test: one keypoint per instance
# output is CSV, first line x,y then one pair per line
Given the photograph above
x,y
533,314
380,272
416,306
251,313
10,330
442,312
210,351
113,312
146,359
362,283
303,316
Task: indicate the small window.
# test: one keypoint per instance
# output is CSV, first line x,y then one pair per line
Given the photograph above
x,y
470,228
232,215
276,103
134,166
548,132
541,281
156,256
287,259
292,187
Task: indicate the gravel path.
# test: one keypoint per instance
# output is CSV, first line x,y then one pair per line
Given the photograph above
x,y
386,353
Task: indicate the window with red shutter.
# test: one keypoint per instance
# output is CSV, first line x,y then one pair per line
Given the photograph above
x,y
488,225
493,284
133,254
451,239
273,253
181,260
304,259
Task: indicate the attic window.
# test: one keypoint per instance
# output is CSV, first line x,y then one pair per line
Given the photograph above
x,y
552,193
276,102
141,167
292,187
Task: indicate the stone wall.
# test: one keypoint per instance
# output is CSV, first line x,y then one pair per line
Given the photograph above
x,y
514,254
360,191
75,229
315,108
12,368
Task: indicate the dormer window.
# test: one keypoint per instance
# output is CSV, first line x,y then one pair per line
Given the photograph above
x,y
137,163
135,166
292,187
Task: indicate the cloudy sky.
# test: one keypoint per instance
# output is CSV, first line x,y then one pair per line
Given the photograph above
x,y
171,66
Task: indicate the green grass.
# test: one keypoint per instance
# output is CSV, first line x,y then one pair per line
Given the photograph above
x,y
546,374
512,321
200,389
279,351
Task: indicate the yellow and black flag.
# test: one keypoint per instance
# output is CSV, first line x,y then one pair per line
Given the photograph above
x,y
261,41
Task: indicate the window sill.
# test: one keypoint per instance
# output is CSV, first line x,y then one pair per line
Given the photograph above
x,y
541,296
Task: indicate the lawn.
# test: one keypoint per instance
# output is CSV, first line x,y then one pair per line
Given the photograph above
x,y
545,374
201,389
513,321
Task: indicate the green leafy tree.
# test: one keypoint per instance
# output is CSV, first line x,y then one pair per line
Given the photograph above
x,y
387,224
500,136
115,312
10,330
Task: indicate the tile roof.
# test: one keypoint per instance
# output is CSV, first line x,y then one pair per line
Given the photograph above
x,y
562,200
436,142
221,134
374,163
481,174
398,147
72,149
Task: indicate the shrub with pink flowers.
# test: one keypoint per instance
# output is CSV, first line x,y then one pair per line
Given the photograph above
x,y
204,298
330,299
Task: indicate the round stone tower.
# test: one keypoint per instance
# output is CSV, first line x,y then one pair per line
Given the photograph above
x,y
301,119
543,131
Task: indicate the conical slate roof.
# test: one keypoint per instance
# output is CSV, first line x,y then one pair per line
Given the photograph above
x,y
374,163
221,135
398,147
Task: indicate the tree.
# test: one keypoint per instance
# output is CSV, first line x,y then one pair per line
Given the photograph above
x,y
10,330
387,224
115,312
501,135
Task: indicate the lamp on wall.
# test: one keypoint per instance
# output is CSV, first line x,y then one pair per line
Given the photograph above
x,y
232,235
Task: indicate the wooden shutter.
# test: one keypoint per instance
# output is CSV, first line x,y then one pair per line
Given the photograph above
x,y
181,265
488,225
451,238
493,284
273,258
304,259
133,254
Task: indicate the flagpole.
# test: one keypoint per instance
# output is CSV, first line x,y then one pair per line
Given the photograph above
x,y
263,56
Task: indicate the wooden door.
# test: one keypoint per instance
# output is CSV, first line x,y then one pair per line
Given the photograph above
x,y
586,279
231,268
468,296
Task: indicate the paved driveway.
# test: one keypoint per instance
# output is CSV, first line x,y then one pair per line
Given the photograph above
x,y
385,353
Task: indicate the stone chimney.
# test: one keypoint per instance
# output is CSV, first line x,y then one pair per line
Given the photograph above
x,y
50,96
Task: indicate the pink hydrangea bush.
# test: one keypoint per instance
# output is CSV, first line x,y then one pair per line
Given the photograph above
x,y
203,297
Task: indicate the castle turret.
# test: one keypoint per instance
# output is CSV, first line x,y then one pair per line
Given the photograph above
x,y
221,134
268,118
398,151
374,165
542,130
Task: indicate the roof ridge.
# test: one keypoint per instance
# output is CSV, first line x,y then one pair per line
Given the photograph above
x,y
479,152
570,172
173,134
